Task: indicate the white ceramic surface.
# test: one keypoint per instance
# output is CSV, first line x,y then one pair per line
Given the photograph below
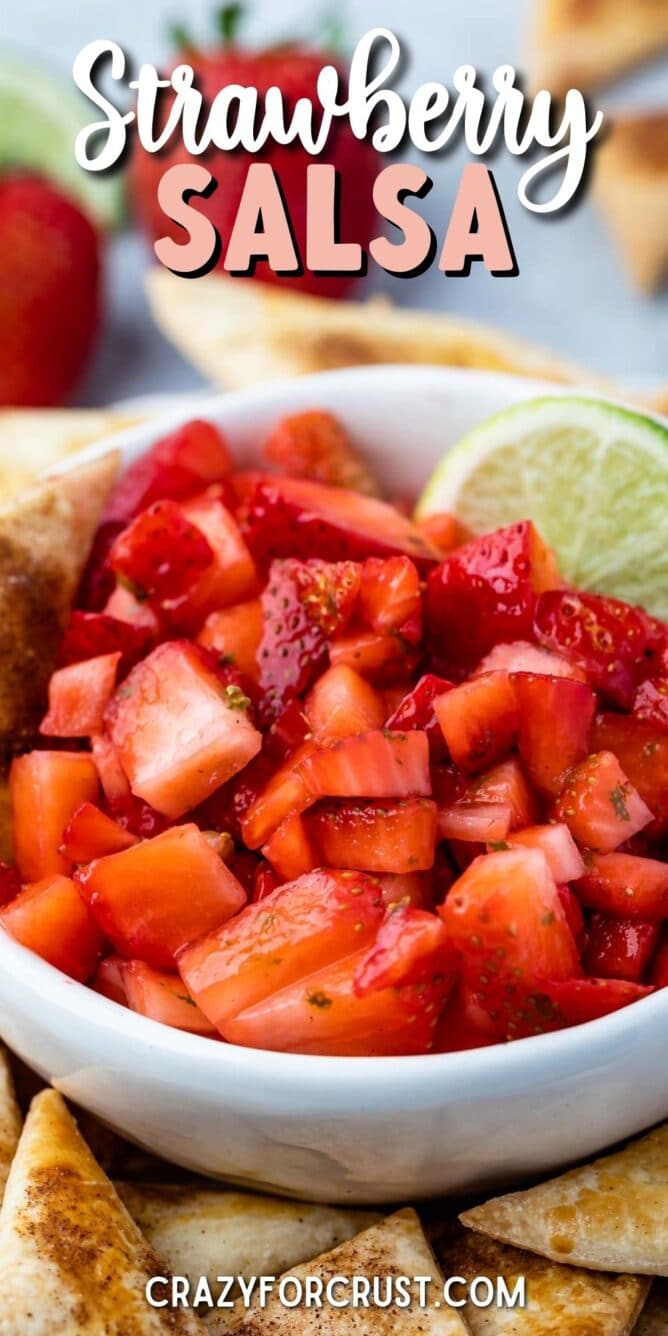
x,y
338,1129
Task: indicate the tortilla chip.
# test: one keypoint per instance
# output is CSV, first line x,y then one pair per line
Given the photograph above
x,y
10,1119
395,1247
654,1316
198,1230
560,1300
631,184
71,1258
586,43
33,440
45,537
241,333
611,1215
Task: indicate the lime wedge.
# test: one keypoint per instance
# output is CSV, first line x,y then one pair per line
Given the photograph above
x,y
40,117
592,476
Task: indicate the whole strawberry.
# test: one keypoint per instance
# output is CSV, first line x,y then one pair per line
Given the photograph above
x,y
49,291
294,69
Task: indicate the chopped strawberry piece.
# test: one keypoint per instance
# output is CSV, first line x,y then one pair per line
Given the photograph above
x,y
575,1001
486,592
161,554
616,645
291,517
235,633
415,709
651,702
108,980
379,764
303,604
522,657
285,793
51,919
322,1014
78,697
620,948
574,916
316,445
114,781
381,658
290,850
90,834
341,703
46,788
600,805
407,941
10,883
505,783
443,531
555,718
390,598
179,464
625,886
162,997
266,882
642,751
230,578
178,732
152,899
659,971
378,837
462,1025
479,720
303,926
124,606
407,888
556,842
90,635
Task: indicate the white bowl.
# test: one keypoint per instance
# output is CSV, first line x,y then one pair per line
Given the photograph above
x,y
345,1129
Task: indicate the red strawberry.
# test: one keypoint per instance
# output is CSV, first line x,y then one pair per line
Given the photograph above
x,y
49,291
316,445
295,70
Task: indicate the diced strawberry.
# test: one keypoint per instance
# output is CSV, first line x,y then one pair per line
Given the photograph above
x,y
179,464
479,720
108,980
114,781
341,703
555,719
462,1025
303,926
616,645
92,634
642,751
620,948
486,592
290,850
235,633
505,783
98,580
481,823
178,732
381,658
390,599
51,919
377,837
316,445
285,793
658,975
124,606
230,578
522,657
78,697
556,842
162,997
161,554
416,710
505,916
152,899
379,764
625,886
443,531
46,787
266,882
407,888
576,1001
291,517
574,916
407,940
10,883
90,834
303,605
322,1014
651,702
600,805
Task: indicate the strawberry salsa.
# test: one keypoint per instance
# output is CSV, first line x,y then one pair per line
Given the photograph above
x,y
318,778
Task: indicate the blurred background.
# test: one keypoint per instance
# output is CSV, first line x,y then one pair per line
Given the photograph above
x,y
575,292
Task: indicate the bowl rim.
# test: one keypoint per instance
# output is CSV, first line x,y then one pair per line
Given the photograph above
x,y
578,1045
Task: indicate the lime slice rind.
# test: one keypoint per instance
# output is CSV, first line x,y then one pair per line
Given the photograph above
x,y
40,117
593,477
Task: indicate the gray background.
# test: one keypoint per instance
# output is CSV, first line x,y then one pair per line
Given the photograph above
x,y
571,294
